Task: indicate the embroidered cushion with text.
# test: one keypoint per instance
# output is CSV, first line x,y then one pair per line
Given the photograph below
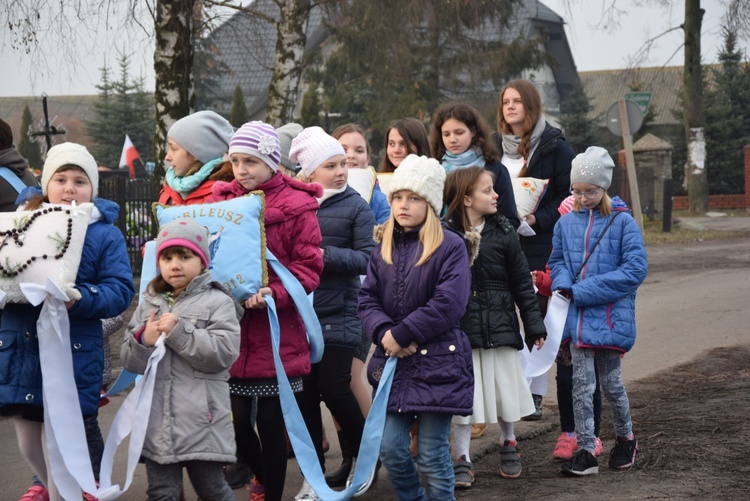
x,y
237,242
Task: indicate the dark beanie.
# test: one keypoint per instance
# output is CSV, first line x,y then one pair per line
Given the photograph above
x,y
6,135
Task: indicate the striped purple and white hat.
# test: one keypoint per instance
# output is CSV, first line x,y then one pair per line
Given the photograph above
x,y
259,140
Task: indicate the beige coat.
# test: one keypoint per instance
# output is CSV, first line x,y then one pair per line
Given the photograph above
x,y
190,415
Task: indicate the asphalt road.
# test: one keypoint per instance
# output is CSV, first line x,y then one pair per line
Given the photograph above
x,y
695,298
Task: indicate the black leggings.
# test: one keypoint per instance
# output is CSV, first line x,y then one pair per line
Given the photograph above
x,y
330,381
265,452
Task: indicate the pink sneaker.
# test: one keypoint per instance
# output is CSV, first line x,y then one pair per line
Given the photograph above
x,y
36,493
565,447
257,491
598,447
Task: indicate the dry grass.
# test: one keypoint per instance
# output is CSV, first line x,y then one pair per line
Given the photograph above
x,y
655,236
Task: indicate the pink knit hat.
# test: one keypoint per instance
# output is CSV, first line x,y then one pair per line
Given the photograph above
x,y
312,147
184,232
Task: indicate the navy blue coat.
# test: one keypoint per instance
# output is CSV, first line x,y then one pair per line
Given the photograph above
x,y
105,282
423,305
504,189
551,160
346,224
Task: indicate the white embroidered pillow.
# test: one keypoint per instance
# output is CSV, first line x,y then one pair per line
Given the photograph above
x,y
528,191
41,244
363,180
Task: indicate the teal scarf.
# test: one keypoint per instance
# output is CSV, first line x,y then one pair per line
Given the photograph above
x,y
186,185
472,156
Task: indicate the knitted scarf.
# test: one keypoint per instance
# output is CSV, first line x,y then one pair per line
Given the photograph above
x,y
470,157
187,184
511,141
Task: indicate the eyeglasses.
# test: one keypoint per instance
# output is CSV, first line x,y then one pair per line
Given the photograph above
x,y
588,195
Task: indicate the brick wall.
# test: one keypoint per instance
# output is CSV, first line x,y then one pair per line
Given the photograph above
x,y
715,202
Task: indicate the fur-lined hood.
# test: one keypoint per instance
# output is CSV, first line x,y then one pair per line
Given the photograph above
x,y
471,238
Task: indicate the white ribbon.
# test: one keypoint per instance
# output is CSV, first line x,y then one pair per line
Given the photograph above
x,y
70,465
538,362
131,419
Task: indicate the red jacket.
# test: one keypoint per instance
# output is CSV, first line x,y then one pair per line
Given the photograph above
x,y
293,235
200,195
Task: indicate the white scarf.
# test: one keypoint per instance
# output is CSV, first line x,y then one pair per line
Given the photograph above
x,y
328,193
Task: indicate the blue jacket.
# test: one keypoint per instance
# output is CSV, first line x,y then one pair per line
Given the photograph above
x,y
602,312
423,305
379,205
346,223
105,282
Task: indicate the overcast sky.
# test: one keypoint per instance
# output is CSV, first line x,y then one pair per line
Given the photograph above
x,y
595,46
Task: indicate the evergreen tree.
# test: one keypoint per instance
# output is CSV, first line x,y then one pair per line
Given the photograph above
x,y
207,73
124,108
579,130
728,119
27,148
399,58
101,127
238,112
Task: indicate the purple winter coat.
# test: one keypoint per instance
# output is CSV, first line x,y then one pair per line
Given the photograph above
x,y
421,304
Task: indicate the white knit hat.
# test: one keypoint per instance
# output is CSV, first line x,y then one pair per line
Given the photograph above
x,y
312,147
594,166
70,154
421,175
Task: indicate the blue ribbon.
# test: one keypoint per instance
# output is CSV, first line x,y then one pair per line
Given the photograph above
x,y
304,450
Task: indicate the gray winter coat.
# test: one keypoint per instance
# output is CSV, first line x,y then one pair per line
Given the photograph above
x,y
190,415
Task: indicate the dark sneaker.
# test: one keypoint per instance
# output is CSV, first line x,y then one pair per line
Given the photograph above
x,y
510,460
622,455
583,463
464,473
237,475
537,414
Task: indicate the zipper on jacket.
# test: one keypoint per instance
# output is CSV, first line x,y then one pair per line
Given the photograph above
x,y
585,252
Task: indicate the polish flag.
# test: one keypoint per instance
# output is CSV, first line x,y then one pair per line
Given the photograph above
x,y
129,154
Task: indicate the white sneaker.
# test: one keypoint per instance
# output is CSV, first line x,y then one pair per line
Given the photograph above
x,y
364,486
306,493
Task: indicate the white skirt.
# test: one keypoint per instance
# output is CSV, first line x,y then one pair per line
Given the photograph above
x,y
500,387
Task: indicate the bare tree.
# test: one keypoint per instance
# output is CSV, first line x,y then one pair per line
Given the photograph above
x,y
695,173
174,25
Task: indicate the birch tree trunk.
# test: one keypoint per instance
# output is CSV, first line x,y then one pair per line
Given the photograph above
x,y
696,177
290,48
173,67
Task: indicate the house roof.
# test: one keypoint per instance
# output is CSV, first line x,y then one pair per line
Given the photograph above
x,y
649,142
247,46
605,87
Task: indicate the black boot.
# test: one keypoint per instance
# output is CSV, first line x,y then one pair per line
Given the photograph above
x,y
537,414
338,477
